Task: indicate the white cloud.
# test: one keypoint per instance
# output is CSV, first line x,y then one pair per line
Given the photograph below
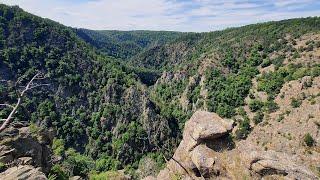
x,y
188,15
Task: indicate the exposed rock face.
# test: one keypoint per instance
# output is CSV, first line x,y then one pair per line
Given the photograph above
x,y
25,172
271,162
207,152
26,154
203,158
193,159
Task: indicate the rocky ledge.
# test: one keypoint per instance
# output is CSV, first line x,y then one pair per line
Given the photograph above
x,y
207,151
25,153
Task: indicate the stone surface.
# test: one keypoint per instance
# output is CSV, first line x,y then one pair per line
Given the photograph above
x,y
207,152
271,162
26,154
26,148
206,125
193,160
25,172
203,158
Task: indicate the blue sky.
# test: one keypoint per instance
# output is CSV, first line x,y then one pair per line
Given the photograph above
x,y
176,15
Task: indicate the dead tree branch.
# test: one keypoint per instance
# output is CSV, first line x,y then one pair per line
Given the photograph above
x,y
30,85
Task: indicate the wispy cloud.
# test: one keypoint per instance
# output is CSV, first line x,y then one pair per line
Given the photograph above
x,y
180,15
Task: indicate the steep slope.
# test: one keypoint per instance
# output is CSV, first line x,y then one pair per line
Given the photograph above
x,y
269,86
95,104
215,73
125,44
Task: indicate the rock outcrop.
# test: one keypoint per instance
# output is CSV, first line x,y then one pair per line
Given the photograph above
x,y
193,159
25,153
23,172
207,152
266,163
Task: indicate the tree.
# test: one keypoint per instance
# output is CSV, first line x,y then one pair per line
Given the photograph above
x,y
30,85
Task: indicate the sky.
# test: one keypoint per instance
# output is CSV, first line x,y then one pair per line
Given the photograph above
x,y
170,15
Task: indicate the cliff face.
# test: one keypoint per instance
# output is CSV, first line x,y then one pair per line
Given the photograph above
x,y
208,151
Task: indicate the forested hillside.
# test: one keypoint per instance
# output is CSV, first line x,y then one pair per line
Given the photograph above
x,y
96,105
117,100
125,44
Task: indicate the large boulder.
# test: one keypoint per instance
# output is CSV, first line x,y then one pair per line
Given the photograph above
x,y
203,158
193,159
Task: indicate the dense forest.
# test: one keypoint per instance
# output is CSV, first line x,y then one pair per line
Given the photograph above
x,y
125,44
115,98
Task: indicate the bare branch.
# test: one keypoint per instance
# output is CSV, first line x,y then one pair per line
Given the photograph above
x,y
18,80
8,105
28,87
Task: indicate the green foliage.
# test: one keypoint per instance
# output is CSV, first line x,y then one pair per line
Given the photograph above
x,y
308,140
34,129
258,117
106,175
272,82
125,44
2,167
77,164
295,103
255,58
228,93
106,163
57,172
244,129
266,63
45,113
255,105
96,102
271,106
58,146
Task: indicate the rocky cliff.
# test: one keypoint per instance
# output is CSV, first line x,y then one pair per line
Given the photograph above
x,y
25,153
208,151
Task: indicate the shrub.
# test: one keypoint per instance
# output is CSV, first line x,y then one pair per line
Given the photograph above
x,y
106,164
58,146
266,63
251,95
2,166
295,103
296,55
244,129
308,140
280,118
271,106
106,175
241,111
258,117
255,105
58,173
78,165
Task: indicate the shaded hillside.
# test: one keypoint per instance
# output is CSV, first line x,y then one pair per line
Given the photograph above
x,y
125,44
96,105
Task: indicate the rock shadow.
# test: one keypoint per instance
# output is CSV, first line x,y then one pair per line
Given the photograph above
x,y
224,143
